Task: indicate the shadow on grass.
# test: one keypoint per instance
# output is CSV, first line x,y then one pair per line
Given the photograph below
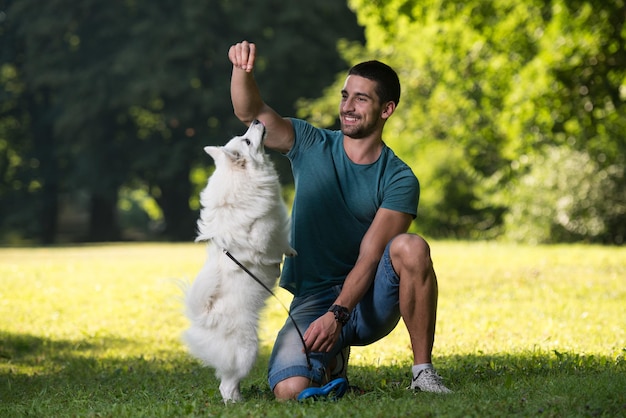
x,y
59,371
45,377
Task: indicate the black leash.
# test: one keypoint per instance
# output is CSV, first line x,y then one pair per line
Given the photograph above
x,y
256,279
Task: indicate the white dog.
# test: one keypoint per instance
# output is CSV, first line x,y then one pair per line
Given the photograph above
x,y
242,213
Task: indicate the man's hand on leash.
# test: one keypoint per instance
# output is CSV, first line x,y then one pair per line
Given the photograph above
x,y
322,334
242,55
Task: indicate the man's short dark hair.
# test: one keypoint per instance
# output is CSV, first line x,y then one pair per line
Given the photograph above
x,y
387,81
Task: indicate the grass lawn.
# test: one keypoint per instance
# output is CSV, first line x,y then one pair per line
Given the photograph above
x,y
522,331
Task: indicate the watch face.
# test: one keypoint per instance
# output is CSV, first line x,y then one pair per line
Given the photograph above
x,y
342,315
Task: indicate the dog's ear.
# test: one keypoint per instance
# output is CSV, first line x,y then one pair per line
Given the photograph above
x,y
214,152
235,157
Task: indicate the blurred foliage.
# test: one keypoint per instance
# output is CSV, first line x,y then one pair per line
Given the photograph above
x,y
512,113
489,84
98,97
575,202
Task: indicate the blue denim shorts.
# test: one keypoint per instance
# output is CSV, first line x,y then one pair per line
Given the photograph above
x,y
376,315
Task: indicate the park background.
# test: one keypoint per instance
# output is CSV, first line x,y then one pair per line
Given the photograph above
x,y
512,116
512,113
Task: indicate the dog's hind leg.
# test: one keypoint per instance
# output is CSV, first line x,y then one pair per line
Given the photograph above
x,y
229,388
233,370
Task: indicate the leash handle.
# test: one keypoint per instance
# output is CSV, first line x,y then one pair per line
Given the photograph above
x,y
293,321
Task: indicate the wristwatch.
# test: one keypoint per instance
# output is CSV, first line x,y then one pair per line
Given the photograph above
x,y
342,314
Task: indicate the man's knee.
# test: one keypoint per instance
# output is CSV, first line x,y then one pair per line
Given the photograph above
x,y
410,251
409,246
290,388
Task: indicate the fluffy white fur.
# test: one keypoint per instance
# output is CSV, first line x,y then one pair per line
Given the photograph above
x,y
242,212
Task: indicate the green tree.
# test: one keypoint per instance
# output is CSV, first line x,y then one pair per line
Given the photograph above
x,y
62,54
487,83
127,94
454,76
572,95
565,204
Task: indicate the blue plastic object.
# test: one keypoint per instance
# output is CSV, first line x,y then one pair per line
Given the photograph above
x,y
333,390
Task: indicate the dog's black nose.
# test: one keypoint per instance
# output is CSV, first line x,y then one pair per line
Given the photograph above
x,y
256,122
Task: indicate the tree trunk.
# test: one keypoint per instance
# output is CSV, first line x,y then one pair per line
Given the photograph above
x,y
103,225
180,220
45,154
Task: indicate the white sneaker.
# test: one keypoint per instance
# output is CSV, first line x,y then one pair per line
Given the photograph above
x,y
428,380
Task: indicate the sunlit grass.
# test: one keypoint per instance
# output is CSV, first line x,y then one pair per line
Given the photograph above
x,y
94,330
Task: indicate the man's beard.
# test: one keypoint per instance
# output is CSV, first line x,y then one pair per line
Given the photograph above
x,y
356,131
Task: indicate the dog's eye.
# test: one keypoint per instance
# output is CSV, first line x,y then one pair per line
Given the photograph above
x,y
247,141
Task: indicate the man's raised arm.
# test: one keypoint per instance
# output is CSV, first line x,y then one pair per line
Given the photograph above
x,y
248,104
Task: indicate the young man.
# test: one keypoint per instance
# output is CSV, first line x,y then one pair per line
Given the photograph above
x,y
357,270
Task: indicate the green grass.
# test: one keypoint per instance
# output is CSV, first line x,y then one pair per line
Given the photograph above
x,y
522,331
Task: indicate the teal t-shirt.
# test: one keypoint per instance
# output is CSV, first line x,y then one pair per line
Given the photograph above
x,y
335,203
